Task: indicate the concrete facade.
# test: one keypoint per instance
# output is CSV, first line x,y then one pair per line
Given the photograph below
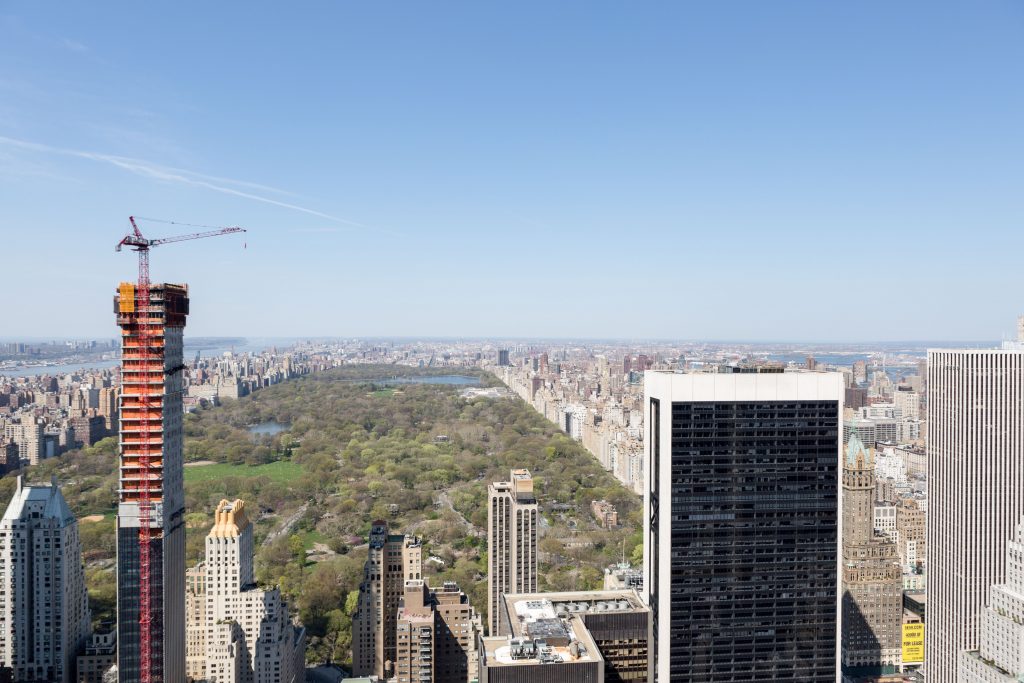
x,y
975,492
99,656
1000,658
28,436
195,622
44,611
512,537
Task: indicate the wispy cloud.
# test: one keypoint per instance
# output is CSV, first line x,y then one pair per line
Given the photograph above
x,y
74,45
228,186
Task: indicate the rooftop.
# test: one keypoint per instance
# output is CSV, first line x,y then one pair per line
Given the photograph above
x,y
549,628
565,604
45,500
561,642
229,520
521,475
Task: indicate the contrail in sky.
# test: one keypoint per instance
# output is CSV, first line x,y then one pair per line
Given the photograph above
x,y
158,172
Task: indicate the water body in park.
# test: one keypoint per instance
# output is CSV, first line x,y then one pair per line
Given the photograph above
x,y
453,380
268,428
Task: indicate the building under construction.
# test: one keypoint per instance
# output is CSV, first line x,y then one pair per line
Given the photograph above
x,y
151,623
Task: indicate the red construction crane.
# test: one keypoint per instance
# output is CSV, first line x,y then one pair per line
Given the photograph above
x,y
142,245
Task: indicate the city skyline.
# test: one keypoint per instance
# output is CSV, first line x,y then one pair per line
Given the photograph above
x,y
597,397
397,159
540,349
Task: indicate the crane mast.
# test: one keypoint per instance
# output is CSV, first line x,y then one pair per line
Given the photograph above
x,y
149,389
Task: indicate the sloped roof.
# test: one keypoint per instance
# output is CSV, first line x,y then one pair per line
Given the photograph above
x,y
47,500
854,448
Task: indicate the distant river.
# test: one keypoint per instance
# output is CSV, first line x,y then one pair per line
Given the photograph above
x,y
60,368
207,348
826,358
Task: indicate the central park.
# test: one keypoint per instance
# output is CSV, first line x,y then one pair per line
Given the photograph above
x,y
349,446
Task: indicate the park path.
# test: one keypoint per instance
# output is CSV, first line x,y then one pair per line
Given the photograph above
x,y
447,502
287,526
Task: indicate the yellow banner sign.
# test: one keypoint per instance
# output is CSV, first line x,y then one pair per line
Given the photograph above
x,y
913,643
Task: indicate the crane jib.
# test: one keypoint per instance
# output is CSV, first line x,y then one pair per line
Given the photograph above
x,y
146,449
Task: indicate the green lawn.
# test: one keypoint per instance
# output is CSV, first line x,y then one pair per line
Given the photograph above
x,y
282,471
311,537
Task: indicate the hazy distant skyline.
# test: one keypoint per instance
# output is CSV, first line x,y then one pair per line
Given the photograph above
x,y
795,345
776,171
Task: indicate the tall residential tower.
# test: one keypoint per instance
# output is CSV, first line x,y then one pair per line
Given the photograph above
x,y
741,525
437,631
392,560
151,430
241,633
511,541
44,615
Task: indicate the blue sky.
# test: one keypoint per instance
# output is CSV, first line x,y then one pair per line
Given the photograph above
x,y
745,170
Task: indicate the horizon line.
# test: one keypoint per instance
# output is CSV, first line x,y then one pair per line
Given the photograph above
x,y
495,338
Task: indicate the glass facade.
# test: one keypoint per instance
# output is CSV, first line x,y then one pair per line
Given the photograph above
x,y
754,527
128,651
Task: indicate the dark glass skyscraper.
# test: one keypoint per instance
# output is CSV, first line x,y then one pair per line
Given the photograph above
x,y
742,534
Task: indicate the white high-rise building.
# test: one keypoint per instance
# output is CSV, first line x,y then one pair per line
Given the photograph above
x,y
44,610
511,541
1001,657
976,492
249,635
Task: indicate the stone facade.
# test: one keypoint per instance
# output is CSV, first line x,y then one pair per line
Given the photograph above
x,y
872,581
44,613
910,533
248,636
392,560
